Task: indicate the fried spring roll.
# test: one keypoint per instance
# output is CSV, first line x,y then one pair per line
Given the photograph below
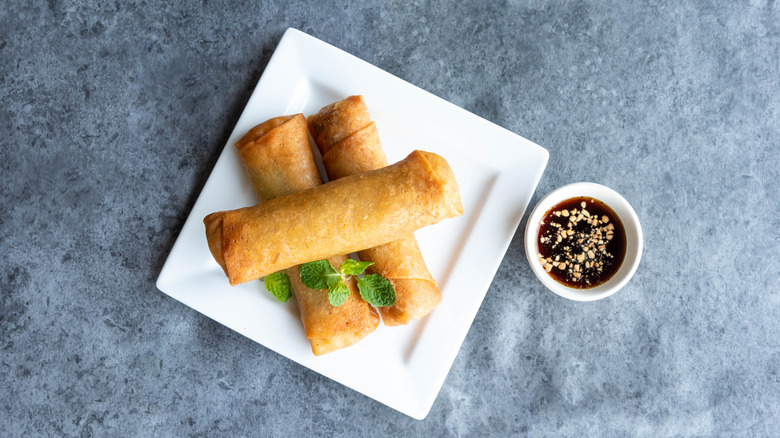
x,y
278,159
349,144
343,216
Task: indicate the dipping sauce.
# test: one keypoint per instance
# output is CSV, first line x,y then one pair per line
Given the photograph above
x,y
581,242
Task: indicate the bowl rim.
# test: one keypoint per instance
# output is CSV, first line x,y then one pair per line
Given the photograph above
x,y
627,215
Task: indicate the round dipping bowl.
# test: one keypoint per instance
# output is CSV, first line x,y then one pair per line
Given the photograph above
x,y
622,209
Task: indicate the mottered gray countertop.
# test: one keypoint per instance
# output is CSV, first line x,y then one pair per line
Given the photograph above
x,y
114,113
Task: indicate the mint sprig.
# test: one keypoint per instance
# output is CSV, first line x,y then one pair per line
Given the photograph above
x,y
315,274
352,267
338,294
279,285
377,290
374,288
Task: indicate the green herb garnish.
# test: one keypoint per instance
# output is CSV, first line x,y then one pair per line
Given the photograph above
x,y
315,274
279,285
374,288
377,290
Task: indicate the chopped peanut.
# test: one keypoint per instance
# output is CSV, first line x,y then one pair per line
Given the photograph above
x,y
576,241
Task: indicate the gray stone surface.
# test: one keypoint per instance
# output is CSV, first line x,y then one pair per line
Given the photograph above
x,y
113,114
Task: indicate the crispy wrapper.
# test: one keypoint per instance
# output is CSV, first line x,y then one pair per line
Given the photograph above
x,y
278,159
347,215
349,143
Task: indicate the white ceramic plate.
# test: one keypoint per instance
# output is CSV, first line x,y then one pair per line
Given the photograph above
x,y
497,173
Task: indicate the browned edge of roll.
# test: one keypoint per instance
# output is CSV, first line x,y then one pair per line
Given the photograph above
x,y
213,223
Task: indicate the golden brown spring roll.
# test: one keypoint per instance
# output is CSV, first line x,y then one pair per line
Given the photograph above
x,y
343,216
278,159
349,144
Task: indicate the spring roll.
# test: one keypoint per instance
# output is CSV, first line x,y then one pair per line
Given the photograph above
x,y
349,143
278,159
343,216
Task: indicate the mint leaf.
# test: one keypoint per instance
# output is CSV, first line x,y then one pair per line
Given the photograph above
x,y
338,294
315,274
334,280
377,290
279,285
351,267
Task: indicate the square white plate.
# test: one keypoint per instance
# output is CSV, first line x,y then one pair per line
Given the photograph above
x,y
497,173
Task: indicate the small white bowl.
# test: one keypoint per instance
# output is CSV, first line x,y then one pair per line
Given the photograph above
x,y
627,215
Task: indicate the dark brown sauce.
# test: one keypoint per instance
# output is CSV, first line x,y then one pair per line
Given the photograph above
x,y
577,247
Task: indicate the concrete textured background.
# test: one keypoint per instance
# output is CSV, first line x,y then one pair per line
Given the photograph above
x,y
114,113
